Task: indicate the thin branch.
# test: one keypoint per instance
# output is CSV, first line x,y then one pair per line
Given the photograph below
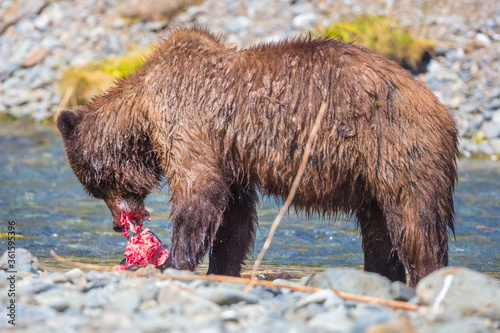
x,y
270,284
295,185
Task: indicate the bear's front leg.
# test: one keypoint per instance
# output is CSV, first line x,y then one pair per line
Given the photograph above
x,y
198,204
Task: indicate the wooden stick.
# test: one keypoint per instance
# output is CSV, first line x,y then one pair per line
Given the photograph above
x,y
293,190
221,278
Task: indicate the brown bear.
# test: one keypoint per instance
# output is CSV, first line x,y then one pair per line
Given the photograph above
x,y
218,124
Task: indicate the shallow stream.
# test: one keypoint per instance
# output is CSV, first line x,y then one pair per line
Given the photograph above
x,y
39,191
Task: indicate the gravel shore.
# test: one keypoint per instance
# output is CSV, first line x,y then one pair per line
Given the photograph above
x,y
453,299
40,39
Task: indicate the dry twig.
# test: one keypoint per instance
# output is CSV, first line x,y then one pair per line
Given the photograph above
x,y
293,190
269,284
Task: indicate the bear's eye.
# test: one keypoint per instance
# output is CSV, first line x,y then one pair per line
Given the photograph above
x,y
96,193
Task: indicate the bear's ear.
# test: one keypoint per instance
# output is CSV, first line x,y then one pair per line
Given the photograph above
x,y
67,121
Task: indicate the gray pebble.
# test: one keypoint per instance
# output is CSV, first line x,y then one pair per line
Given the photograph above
x,y
98,298
189,300
494,104
125,301
34,315
305,20
226,296
468,108
95,275
483,39
7,69
237,24
336,320
455,54
492,129
326,297
32,286
55,298
58,277
97,283
401,292
26,269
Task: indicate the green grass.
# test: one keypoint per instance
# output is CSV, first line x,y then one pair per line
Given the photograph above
x,y
383,34
80,84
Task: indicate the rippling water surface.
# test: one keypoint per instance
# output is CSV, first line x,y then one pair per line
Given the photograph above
x,y
39,191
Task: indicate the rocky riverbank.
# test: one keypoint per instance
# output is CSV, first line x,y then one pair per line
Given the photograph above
x,y
40,39
451,299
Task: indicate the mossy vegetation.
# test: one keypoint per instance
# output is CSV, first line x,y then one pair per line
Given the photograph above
x,y
80,84
6,117
383,34
479,136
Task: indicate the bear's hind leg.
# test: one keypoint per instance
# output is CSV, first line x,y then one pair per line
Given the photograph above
x,y
420,235
236,234
377,246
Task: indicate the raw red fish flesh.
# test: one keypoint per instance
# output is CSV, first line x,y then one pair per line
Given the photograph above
x,y
144,247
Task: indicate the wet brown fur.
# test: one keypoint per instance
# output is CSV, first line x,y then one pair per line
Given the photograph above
x,y
218,124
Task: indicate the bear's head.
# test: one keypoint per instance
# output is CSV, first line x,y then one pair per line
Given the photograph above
x,y
114,166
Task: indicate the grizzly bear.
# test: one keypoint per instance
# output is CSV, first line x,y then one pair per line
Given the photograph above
x,y
218,124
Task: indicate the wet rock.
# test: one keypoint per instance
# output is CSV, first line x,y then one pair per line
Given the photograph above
x,y
58,277
34,315
185,298
366,314
26,269
337,320
97,298
95,275
462,292
148,290
353,281
76,277
125,301
76,299
326,297
55,298
401,292
21,257
97,283
32,286
226,296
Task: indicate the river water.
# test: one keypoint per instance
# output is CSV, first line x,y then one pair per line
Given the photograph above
x,y
39,191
